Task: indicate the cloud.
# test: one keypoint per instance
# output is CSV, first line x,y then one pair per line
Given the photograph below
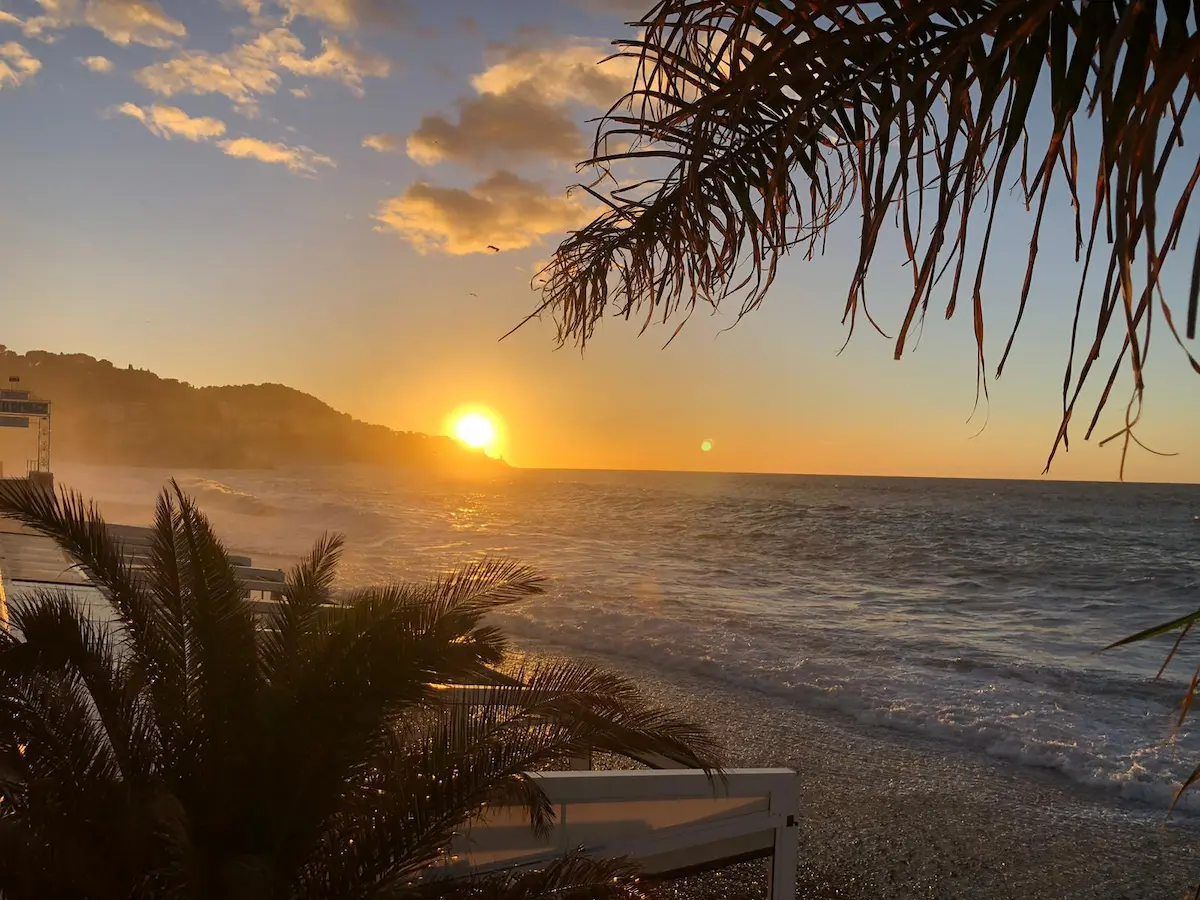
x,y
299,160
252,70
525,107
123,22
384,143
169,121
572,72
338,62
301,92
16,65
502,128
504,211
345,15
99,64
627,9
7,18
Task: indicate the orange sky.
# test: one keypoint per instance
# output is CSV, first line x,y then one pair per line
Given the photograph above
x,y
321,218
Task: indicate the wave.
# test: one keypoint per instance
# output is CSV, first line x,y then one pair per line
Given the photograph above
x,y
1018,726
211,493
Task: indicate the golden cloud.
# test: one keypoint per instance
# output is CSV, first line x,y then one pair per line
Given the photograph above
x,y
338,62
123,22
170,121
577,71
504,212
298,160
252,70
383,143
498,128
525,107
344,15
99,64
16,65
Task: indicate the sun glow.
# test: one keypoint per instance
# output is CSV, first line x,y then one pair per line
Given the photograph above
x,y
477,427
475,430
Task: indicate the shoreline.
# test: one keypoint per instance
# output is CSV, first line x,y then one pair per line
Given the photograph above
x,y
884,814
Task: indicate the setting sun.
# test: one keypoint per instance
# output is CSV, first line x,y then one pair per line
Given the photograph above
x,y
475,430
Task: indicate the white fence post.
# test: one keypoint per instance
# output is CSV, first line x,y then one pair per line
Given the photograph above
x,y
785,859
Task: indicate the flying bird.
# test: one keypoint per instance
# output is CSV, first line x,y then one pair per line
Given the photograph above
x,y
493,247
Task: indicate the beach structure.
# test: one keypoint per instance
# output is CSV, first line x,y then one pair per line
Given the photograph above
x,y
19,408
671,822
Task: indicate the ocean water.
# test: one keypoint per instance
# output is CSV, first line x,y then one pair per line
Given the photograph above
x,y
967,612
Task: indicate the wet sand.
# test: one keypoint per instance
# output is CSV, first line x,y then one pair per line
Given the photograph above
x,y
884,815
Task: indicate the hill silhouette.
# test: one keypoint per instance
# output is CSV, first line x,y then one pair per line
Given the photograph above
x,y
105,414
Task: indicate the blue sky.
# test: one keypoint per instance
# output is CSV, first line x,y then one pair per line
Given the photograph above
x,y
304,191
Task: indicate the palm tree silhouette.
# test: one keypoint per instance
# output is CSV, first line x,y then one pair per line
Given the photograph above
x,y
172,746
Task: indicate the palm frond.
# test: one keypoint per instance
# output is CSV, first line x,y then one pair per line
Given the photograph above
x,y
767,121
78,527
59,638
217,720
309,587
360,663
482,586
604,713
450,765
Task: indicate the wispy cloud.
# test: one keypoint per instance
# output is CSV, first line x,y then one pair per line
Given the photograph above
x,y
170,121
124,22
101,65
338,62
384,143
17,65
252,70
504,212
299,160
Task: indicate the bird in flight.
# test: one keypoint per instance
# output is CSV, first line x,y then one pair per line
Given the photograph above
x,y
494,248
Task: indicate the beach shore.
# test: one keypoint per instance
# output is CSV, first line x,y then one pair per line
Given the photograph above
x,y
884,815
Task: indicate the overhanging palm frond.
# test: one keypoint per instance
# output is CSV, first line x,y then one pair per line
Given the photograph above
x,y
772,119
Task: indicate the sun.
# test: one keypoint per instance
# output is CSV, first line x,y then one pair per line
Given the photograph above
x,y
475,430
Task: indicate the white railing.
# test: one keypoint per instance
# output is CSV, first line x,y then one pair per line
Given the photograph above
x,y
669,823
667,819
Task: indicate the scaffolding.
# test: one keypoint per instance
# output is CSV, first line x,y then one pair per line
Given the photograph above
x,y
20,409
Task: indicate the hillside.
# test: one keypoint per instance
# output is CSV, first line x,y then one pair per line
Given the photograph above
x,y
105,414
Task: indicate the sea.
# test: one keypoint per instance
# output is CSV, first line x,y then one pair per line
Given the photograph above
x,y
968,613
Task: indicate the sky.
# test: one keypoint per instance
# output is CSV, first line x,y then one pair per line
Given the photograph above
x,y
308,192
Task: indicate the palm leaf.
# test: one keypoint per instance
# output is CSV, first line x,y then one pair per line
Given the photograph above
x,y
79,529
309,587
58,637
765,122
